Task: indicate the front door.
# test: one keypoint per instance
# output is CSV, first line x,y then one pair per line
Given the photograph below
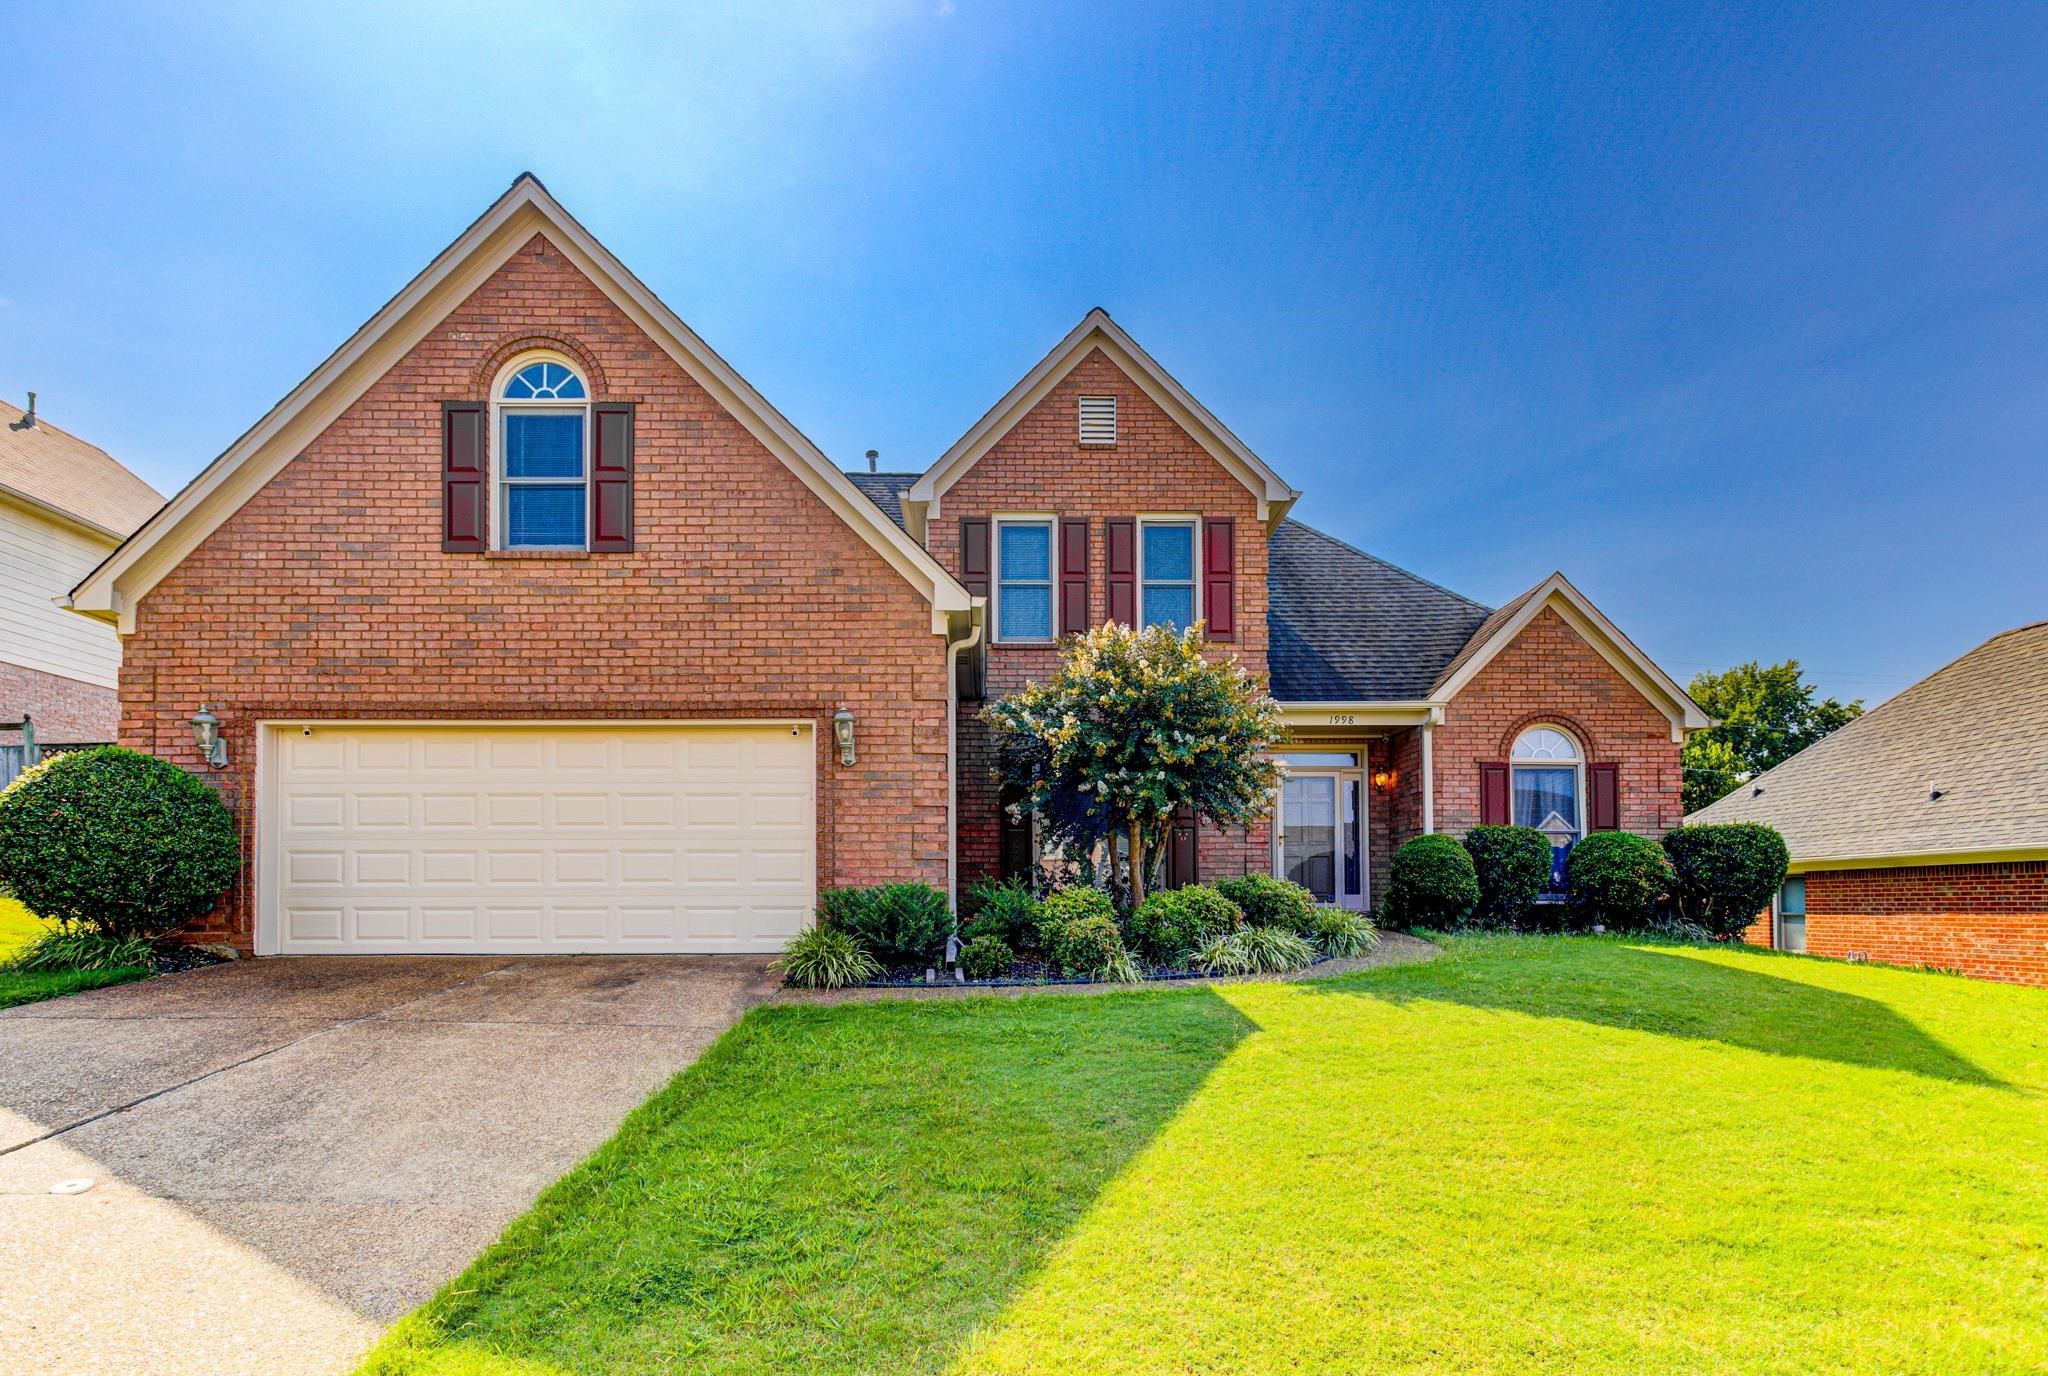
x,y
1320,836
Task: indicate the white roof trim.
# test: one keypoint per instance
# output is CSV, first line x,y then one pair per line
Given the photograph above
x,y
1557,593
112,590
1098,331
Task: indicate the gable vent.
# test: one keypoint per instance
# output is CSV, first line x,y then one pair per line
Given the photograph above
x,y
1098,420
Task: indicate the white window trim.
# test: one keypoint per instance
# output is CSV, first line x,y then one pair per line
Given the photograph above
x,y
1580,800
1194,525
500,509
1359,774
995,575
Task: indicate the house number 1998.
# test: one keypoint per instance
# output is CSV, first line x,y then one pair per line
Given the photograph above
x,y
1342,719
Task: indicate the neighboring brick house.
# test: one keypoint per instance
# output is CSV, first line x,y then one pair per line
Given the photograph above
x,y
64,506
532,626
1919,831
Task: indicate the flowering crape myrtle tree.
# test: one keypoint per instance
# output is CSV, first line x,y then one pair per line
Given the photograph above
x,y
1133,726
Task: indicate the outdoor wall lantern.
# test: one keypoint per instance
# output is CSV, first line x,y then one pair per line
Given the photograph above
x,y
1383,780
206,735
842,731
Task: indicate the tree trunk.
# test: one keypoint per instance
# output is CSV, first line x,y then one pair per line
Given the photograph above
x,y
1137,863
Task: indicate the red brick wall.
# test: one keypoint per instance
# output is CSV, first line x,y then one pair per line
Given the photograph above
x,y
328,595
64,710
1550,674
1039,465
1990,921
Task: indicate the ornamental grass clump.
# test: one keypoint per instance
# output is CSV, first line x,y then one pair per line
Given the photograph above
x,y
1254,951
822,957
1342,933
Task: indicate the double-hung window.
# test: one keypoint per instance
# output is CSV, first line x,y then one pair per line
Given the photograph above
x,y
1023,580
1166,574
544,458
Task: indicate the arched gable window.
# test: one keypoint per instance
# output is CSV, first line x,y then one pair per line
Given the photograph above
x,y
1547,784
543,468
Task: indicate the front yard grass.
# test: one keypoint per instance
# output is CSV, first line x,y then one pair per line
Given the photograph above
x,y
18,927
1535,1155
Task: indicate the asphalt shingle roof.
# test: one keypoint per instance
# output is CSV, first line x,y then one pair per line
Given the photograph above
x,y
885,490
61,470
1977,731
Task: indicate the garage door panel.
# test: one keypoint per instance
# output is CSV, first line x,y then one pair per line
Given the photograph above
x,y
565,838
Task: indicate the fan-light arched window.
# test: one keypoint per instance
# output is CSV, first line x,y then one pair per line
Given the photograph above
x,y
1547,784
543,467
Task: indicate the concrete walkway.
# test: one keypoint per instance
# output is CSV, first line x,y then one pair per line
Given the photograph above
x,y
287,1154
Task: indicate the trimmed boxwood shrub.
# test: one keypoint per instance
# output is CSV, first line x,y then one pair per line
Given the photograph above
x,y
1616,879
1512,865
986,957
1005,908
1086,945
901,924
1173,922
1431,883
1269,902
1070,904
1723,875
116,841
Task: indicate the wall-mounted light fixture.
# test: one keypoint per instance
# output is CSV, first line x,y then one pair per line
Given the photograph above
x,y
1383,780
842,731
206,735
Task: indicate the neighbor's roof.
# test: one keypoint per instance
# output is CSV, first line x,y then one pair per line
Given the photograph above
x,y
57,469
885,490
1976,731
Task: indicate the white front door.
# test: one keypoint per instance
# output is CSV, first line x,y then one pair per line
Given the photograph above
x,y
1320,843
544,838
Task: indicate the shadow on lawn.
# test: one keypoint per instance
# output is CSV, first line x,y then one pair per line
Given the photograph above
x,y
1668,992
845,1189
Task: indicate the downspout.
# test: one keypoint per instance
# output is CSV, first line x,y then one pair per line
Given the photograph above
x,y
1428,780
953,649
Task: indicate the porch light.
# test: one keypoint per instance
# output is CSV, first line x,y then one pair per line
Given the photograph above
x,y
842,731
1383,780
206,735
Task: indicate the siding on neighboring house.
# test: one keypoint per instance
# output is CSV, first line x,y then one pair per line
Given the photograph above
x,y
41,559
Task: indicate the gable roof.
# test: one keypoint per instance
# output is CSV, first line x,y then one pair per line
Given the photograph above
x,y
113,589
885,490
1098,331
1344,626
55,469
1556,593
1976,729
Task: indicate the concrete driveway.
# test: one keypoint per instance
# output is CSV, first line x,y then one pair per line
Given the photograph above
x,y
287,1154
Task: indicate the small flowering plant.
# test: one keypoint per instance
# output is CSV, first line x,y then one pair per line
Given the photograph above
x,y
1134,726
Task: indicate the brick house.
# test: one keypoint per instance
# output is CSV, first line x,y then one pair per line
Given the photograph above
x,y
1919,831
64,505
531,626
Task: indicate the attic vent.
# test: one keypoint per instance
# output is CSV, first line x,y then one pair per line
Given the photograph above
x,y
1098,420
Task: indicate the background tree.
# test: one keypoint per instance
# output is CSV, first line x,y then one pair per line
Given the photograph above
x,y
1767,713
1132,727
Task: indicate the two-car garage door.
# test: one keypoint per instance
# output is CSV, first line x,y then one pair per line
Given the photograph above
x,y
554,837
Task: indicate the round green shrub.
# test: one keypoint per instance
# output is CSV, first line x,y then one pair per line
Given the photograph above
x,y
1173,922
1723,875
1086,945
1269,902
901,924
1431,883
1006,909
1067,905
1616,879
117,841
1512,865
986,957
822,957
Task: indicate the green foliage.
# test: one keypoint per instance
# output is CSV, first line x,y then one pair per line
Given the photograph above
x,y
1616,879
1269,902
822,957
1512,865
1070,904
1123,968
1173,922
1767,715
1723,875
115,840
1431,883
1255,950
1131,727
1002,908
901,924
78,947
986,957
1342,932
1085,945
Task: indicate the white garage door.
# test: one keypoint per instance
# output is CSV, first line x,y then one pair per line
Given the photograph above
x,y
546,838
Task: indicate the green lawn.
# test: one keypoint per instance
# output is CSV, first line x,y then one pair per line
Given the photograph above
x,y
18,927
1562,1155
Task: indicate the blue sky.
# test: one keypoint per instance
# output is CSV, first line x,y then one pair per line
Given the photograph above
x,y
1737,314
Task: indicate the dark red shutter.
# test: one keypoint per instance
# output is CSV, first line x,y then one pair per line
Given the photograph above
x,y
611,478
1073,577
462,476
1013,851
974,554
1604,813
1120,555
1219,577
1182,859
1493,794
